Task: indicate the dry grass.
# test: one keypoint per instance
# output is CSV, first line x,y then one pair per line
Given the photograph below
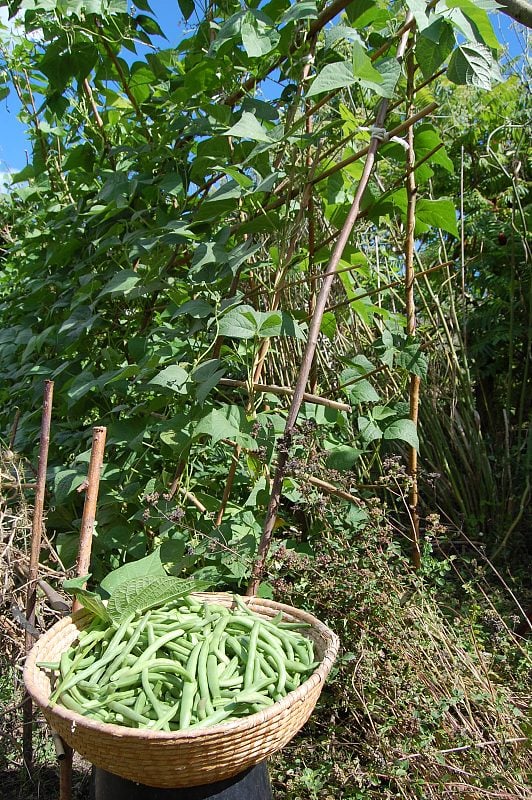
x,y
432,695
15,532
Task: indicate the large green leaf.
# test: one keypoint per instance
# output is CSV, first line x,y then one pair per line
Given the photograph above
x,y
302,9
240,323
258,37
438,214
149,566
422,13
172,377
390,71
331,77
363,68
121,283
141,594
473,64
473,21
248,127
434,46
227,422
89,600
343,457
403,429
186,7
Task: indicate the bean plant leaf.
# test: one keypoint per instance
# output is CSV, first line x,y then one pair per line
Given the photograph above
x,y
172,377
434,46
226,422
143,593
248,127
65,482
303,9
148,566
473,21
473,64
369,431
239,323
72,584
89,600
439,213
390,71
403,429
258,37
121,283
333,76
186,7
343,457
420,10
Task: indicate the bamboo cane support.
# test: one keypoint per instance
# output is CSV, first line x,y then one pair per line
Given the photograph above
x,y
89,509
314,329
33,571
82,567
410,278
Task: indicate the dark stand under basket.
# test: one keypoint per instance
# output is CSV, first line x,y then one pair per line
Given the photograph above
x,y
253,784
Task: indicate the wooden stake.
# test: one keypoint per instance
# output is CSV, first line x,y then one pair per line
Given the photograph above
x,y
410,278
89,509
33,571
82,568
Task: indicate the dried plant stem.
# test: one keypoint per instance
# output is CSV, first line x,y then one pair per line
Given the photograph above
x,y
387,286
314,330
33,570
330,488
14,429
260,356
228,483
411,193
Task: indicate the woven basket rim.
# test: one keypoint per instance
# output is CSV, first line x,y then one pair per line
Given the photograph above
x,y
212,731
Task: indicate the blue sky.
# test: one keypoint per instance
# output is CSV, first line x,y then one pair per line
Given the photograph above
x,y
14,144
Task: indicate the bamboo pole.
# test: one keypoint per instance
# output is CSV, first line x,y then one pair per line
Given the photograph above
x,y
82,567
314,329
410,278
265,388
89,508
33,571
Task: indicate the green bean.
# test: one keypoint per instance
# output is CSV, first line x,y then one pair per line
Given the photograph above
x,y
212,676
150,693
252,650
120,658
187,701
166,718
203,683
53,666
184,665
140,702
129,713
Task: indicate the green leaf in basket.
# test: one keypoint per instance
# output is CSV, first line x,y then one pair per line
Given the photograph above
x,y
72,584
89,600
141,594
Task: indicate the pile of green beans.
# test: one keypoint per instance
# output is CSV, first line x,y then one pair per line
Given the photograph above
x,y
184,665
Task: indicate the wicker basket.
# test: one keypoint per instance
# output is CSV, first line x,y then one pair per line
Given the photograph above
x,y
183,758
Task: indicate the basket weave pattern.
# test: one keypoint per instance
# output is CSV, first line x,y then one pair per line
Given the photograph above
x,y
183,758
